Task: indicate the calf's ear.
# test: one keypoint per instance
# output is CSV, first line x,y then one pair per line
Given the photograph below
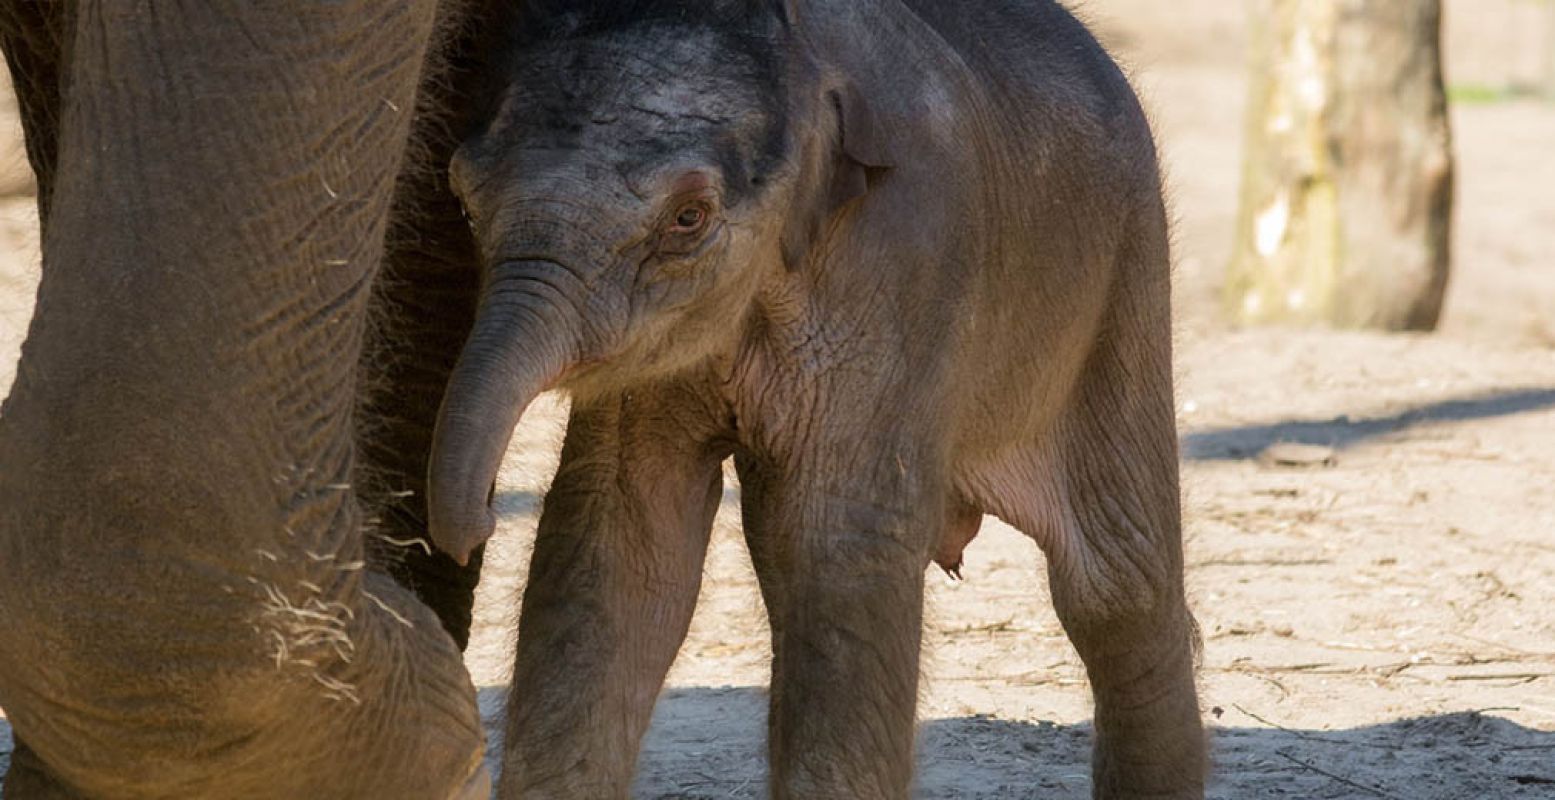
x,y
859,156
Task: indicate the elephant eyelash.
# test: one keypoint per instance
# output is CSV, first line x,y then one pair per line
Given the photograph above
x,y
689,245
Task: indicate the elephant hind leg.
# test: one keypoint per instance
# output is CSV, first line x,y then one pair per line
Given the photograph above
x,y
1115,571
1115,564
1100,496
1097,488
1106,518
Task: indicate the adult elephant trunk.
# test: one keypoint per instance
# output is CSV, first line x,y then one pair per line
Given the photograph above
x,y
520,346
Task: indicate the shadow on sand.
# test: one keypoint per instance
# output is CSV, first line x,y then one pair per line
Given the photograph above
x,y
710,743
1231,444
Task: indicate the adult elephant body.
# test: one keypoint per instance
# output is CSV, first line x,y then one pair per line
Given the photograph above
x,y
187,607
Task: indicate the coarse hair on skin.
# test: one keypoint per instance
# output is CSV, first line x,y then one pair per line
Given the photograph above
x,y
752,28
750,23
584,17
443,97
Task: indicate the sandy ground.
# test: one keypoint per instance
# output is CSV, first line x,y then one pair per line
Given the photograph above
x,y
1378,627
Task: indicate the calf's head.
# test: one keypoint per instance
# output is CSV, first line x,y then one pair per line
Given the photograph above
x,y
650,165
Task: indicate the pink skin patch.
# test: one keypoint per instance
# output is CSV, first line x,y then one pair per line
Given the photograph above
x,y
693,182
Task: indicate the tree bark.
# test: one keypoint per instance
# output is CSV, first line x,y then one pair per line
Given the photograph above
x,y
1549,50
1347,188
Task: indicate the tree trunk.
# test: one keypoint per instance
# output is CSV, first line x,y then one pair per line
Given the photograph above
x,y
1549,50
1347,187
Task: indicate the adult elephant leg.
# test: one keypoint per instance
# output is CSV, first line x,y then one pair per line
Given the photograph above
x,y
423,310
614,580
1115,561
425,307
840,538
33,38
183,605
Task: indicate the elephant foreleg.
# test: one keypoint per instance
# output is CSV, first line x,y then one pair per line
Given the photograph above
x,y
840,551
614,580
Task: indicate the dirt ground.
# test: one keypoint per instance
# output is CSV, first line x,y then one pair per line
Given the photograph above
x,y
1383,626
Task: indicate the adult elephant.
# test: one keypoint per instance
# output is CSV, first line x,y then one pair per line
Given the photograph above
x,y
188,606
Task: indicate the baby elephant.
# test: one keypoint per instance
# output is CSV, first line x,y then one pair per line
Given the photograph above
x,y
906,261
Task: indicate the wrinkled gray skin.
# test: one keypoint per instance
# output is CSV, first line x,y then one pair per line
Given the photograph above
x,y
906,261
190,454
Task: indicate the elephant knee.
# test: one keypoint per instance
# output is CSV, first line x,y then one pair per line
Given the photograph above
x,y
1118,586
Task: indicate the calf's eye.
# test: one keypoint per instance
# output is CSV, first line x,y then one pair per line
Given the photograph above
x,y
690,219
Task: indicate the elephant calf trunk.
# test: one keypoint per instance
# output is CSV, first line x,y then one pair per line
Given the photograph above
x,y
512,356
